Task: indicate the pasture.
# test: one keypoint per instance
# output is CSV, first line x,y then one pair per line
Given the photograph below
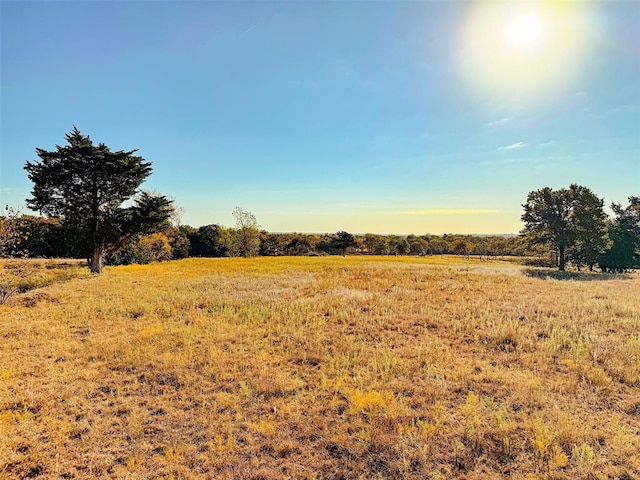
x,y
323,368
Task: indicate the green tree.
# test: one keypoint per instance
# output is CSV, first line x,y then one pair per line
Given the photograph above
x,y
341,241
86,187
563,218
624,233
300,244
398,245
418,246
272,244
437,245
589,223
546,217
209,241
497,246
375,244
40,237
629,215
245,239
461,247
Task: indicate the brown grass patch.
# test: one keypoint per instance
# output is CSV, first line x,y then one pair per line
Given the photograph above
x,y
322,368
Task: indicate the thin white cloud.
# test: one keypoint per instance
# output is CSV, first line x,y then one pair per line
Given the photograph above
x,y
513,146
247,30
548,143
498,123
448,211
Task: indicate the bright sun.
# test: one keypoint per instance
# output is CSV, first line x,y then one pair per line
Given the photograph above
x,y
525,29
523,49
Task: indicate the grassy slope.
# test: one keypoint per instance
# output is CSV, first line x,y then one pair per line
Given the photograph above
x,y
322,368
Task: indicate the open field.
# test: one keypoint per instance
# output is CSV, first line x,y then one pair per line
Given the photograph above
x,y
22,275
326,368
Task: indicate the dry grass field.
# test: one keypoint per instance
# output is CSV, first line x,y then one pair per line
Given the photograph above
x,y
323,368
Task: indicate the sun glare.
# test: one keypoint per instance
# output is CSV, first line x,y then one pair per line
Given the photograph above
x,y
525,28
520,50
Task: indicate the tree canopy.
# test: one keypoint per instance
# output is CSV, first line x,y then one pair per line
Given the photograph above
x,y
86,186
209,241
624,236
245,239
343,240
565,218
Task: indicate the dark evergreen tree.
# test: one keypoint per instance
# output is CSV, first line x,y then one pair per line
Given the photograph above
x,y
624,235
343,240
629,215
85,186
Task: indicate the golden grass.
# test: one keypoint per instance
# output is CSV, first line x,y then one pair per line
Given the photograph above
x,y
21,275
312,368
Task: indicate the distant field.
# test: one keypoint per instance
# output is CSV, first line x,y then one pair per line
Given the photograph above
x,y
323,368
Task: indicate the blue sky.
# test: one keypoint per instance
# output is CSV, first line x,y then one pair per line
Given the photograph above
x,y
388,117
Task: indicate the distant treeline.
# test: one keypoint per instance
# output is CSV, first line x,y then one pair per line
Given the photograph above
x,y
94,209
41,237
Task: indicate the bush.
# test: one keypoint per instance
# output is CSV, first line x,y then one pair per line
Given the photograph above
x,y
142,250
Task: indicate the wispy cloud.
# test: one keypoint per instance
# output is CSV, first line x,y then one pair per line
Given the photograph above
x,y
513,146
247,30
498,123
447,211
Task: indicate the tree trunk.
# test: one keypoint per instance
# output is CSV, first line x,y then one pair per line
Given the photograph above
x,y
561,261
96,260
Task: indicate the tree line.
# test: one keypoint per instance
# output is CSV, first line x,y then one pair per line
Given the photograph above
x,y
43,237
93,208
613,249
